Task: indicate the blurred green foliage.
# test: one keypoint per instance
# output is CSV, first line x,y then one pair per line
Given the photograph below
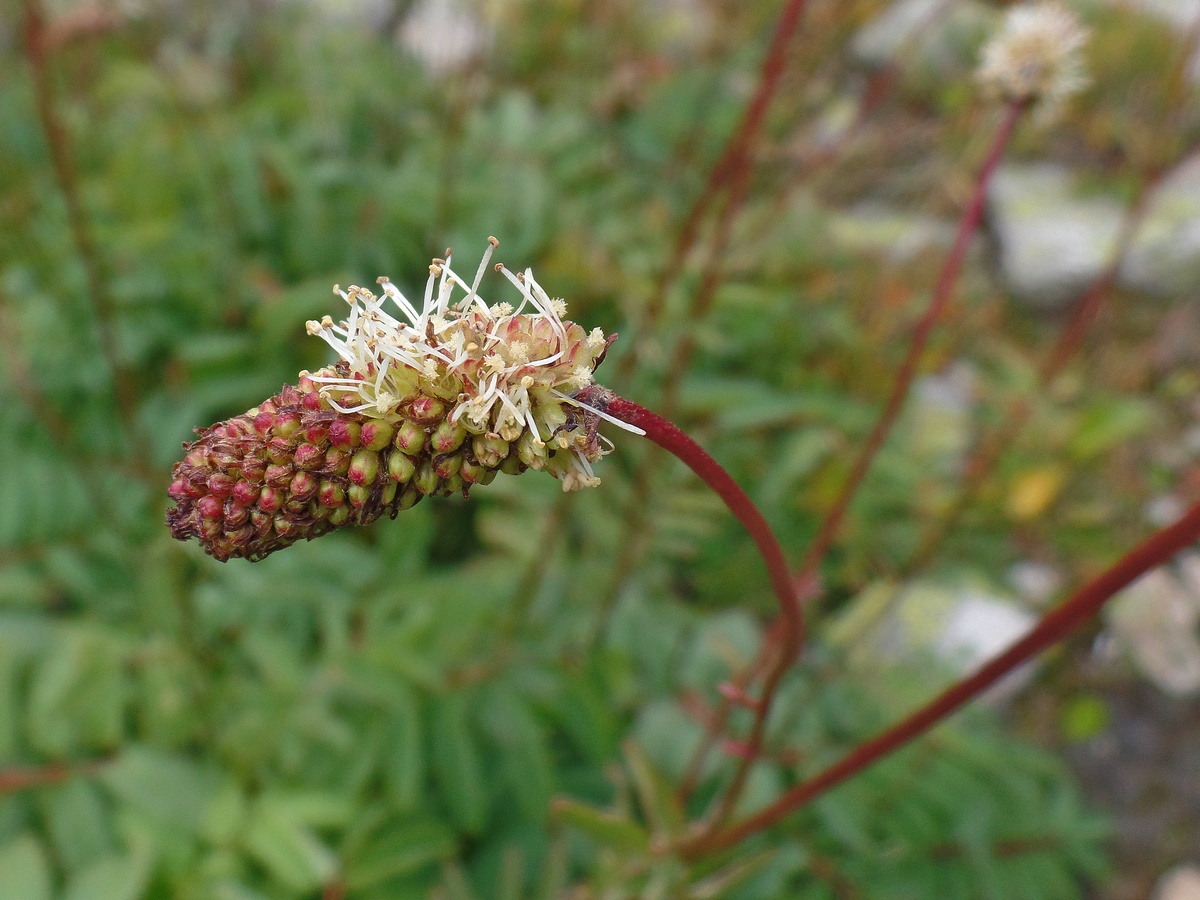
x,y
389,714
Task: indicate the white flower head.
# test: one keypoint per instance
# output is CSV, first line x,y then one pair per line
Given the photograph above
x,y
504,371
1037,57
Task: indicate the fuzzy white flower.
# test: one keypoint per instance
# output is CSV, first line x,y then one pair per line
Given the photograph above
x,y
1037,57
505,373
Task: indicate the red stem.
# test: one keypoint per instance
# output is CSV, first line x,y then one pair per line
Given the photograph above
x,y
20,779
1156,550
805,579
733,157
670,438
908,368
696,458
38,35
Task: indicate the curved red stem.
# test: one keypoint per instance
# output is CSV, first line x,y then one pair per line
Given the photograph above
x,y
1056,625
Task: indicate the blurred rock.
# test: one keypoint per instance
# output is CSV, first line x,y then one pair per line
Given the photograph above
x,y
1036,582
1165,259
1157,621
1052,241
895,233
445,36
945,35
979,627
1180,883
960,627
1050,244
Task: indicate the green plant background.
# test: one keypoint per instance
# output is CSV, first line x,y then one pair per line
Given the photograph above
x,y
388,714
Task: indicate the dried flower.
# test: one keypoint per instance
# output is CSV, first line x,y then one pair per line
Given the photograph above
x,y
1036,57
430,401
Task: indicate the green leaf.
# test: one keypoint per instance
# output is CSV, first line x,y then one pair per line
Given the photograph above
x,y
111,878
79,822
456,764
289,850
163,786
397,851
522,752
24,871
607,828
404,760
1110,422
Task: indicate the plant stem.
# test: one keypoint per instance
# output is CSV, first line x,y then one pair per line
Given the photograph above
x,y
21,779
806,576
58,144
1060,622
667,436
990,447
938,301
734,159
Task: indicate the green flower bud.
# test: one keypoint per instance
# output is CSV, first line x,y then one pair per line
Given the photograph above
x,y
447,437
426,479
364,468
400,467
410,438
490,449
376,434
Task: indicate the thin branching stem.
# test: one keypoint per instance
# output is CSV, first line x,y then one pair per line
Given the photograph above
x,y
939,299
670,438
1056,625
808,569
734,159
37,52
990,447
26,778
791,638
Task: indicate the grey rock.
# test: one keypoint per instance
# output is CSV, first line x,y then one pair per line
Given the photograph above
x,y
943,33
1052,241
1165,258
959,626
1182,882
1157,620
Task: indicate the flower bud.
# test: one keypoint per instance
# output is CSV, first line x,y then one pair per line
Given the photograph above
x,y
376,434
447,437
309,457
364,468
400,467
410,438
426,410
447,465
426,479
344,434
489,449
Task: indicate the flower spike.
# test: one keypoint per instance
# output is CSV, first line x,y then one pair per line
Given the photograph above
x,y
427,400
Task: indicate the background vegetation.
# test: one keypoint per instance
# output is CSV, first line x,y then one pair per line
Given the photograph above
x,y
388,714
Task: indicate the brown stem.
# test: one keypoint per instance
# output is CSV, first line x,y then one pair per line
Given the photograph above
x,y
37,45
21,779
1060,622
990,447
734,158
908,368
667,436
807,571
